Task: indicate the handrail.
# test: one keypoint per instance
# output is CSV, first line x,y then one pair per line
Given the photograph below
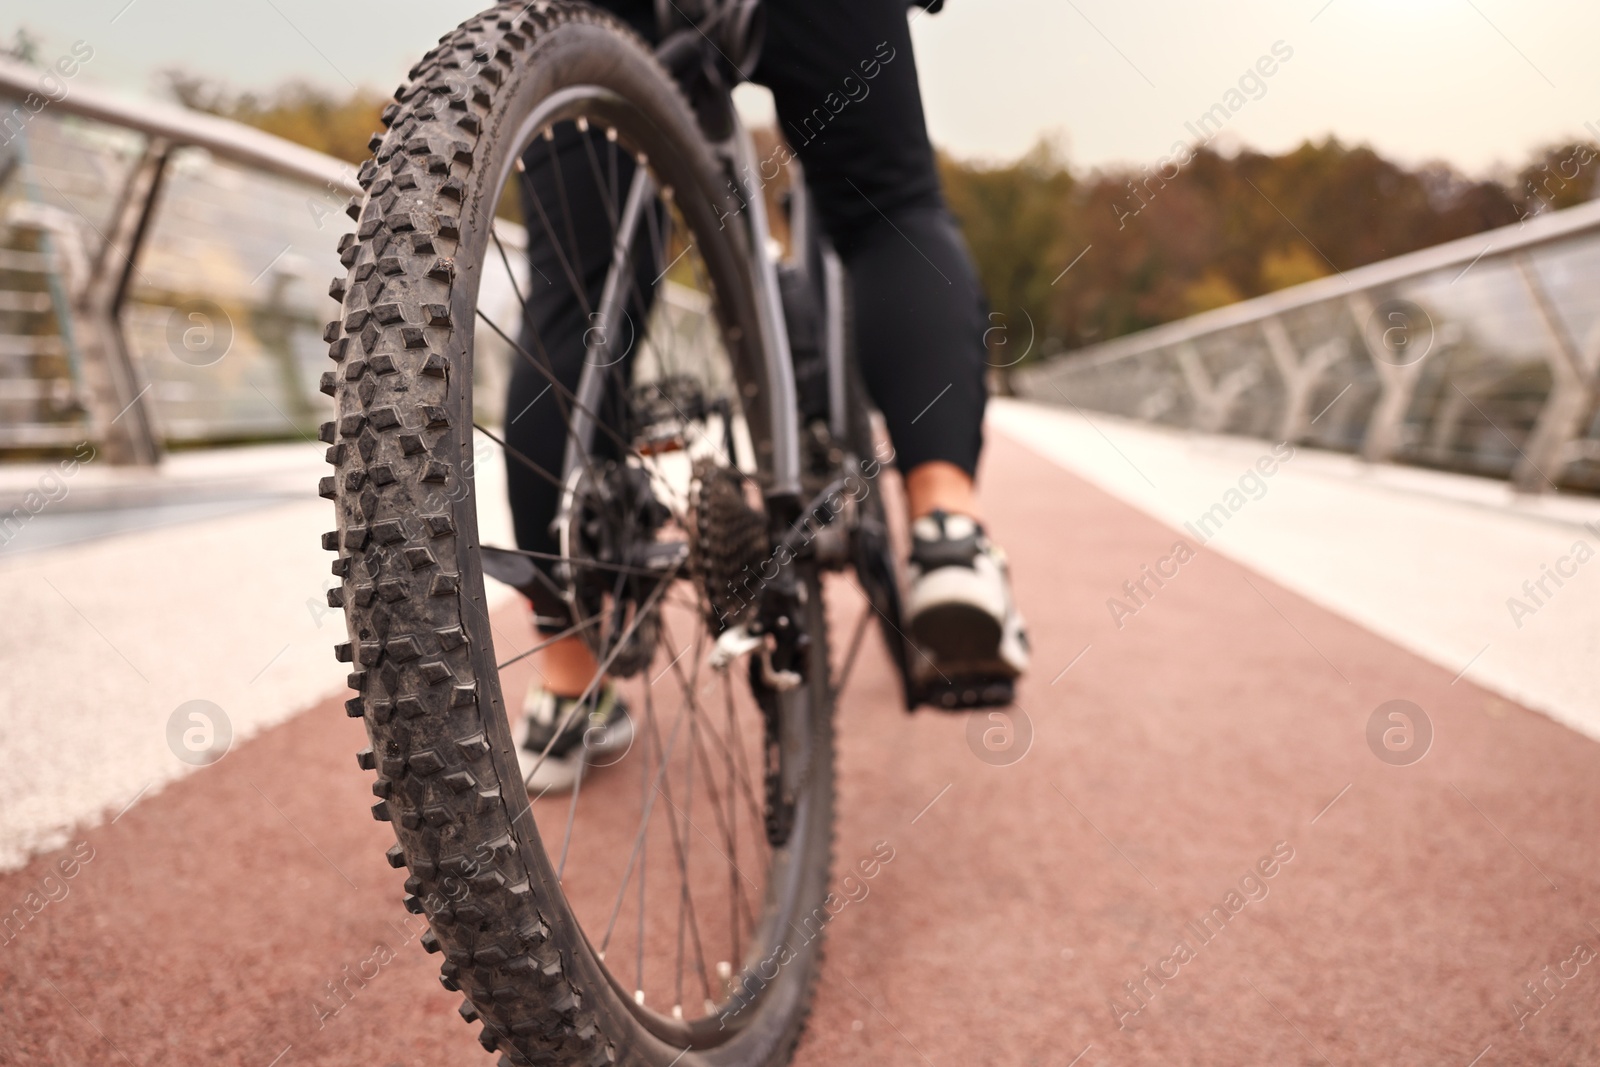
x,y
223,138
120,410
1261,376
1538,230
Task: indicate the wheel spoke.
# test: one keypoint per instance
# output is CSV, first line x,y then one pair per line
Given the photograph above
x,y
681,857
572,813
692,697
578,288
566,208
733,826
577,628
600,671
608,195
518,456
736,894
591,387
591,564
511,274
549,231
855,645
575,430
562,391
683,897
647,802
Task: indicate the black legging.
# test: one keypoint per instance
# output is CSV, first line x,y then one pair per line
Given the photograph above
x,y
845,83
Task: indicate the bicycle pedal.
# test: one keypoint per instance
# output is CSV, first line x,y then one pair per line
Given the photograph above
x,y
967,694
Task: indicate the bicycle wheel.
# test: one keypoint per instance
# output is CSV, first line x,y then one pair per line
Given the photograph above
x,y
670,909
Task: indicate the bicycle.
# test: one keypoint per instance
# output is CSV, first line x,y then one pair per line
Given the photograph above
x,y
718,461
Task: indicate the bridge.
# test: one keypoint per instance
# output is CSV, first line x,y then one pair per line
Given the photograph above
x,y
1245,542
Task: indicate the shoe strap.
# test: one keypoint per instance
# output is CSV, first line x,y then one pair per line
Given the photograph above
x,y
551,709
942,549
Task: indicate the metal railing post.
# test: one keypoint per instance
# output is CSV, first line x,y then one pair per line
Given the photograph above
x,y
1571,393
123,417
1213,401
1384,428
1299,377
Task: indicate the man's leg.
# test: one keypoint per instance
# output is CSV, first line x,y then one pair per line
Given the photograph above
x,y
845,83
938,485
849,104
560,184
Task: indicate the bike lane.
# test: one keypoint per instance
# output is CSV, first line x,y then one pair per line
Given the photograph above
x,y
1182,849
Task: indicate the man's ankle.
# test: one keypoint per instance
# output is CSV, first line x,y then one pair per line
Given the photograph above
x,y
940,486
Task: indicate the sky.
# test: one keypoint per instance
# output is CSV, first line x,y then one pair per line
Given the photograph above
x,y
1479,83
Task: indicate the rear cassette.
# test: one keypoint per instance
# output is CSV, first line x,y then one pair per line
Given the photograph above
x,y
730,546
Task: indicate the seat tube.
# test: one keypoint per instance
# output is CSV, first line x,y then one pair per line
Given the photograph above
x,y
782,399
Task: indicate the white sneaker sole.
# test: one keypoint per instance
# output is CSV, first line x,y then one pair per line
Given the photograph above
x,y
961,616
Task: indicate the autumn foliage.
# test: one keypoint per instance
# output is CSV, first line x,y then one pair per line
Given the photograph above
x,y
1223,228
1145,245
306,114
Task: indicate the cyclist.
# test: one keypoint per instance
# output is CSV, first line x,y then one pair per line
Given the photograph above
x,y
848,102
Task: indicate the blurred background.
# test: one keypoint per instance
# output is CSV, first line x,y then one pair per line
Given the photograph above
x,y
1363,229
1154,144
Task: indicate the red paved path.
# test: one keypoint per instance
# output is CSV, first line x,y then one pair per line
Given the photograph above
x,y
1166,763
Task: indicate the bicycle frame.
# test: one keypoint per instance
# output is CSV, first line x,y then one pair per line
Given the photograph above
x,y
736,154
782,398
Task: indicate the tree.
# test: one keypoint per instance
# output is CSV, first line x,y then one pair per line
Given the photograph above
x,y
1562,176
296,111
1018,237
1207,230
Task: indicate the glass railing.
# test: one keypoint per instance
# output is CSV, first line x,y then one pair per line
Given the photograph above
x,y
164,278
1476,356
